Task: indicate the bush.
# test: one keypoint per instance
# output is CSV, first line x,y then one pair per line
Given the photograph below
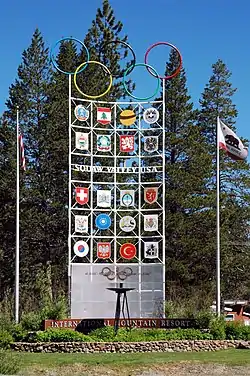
x,y
144,335
5,339
60,335
9,363
217,328
204,319
31,321
237,330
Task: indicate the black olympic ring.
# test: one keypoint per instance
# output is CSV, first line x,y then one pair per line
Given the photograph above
x,y
120,274
133,62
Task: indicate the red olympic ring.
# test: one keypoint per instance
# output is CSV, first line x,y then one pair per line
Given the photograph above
x,y
166,44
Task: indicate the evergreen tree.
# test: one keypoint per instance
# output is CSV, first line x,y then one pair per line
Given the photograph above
x,y
7,206
186,171
216,101
104,30
30,93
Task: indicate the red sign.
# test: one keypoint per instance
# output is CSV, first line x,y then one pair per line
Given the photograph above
x,y
150,195
127,143
128,251
82,195
103,250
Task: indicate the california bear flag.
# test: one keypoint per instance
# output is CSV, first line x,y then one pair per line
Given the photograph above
x,y
230,142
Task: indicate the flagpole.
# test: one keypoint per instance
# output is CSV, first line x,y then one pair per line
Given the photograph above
x,y
17,220
218,292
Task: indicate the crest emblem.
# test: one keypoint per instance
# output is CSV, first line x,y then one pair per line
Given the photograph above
x,y
127,117
81,113
82,195
103,221
103,115
128,251
150,195
103,142
127,223
127,198
127,143
103,250
81,248
103,198
151,222
151,250
82,141
151,143
81,223
151,115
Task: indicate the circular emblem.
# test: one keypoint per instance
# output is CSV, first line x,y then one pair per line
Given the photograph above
x,y
81,248
127,199
127,223
128,251
81,113
103,143
151,115
103,221
127,117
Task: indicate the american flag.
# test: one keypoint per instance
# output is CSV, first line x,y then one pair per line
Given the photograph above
x,y
23,164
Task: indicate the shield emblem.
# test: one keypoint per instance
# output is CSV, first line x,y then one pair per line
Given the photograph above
x,y
127,198
151,250
151,144
82,141
103,115
81,223
150,195
82,195
151,222
103,142
103,250
127,143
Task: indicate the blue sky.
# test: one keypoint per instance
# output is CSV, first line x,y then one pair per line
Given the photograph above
x,y
203,31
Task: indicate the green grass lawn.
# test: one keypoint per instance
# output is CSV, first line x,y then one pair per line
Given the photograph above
x,y
229,357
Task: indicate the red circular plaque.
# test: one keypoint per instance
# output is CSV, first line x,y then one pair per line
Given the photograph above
x,y
128,251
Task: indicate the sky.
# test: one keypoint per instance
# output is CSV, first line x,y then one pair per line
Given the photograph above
x,y
203,31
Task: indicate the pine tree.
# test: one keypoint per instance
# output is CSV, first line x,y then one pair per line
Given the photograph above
x,y
7,206
104,30
30,93
186,171
216,101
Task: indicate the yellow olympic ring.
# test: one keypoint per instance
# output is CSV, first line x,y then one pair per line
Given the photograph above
x,y
105,68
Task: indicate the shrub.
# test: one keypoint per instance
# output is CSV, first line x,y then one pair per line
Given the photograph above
x,y
5,339
217,328
237,330
60,335
143,335
31,321
204,319
9,363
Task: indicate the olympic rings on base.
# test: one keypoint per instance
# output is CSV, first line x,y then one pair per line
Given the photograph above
x,y
105,68
53,59
155,75
172,46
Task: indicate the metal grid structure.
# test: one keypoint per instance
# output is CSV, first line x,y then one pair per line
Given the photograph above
x,y
117,171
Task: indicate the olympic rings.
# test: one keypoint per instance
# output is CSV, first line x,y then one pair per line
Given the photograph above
x,y
120,274
127,46
84,65
53,59
148,68
166,44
